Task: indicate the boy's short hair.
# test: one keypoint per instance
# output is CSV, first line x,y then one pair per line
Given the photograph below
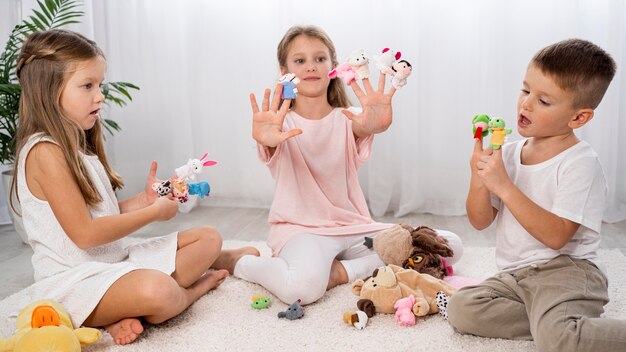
x,y
578,66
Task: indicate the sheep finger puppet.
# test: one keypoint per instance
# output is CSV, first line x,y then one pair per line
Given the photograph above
x,y
480,126
359,63
289,82
386,60
498,132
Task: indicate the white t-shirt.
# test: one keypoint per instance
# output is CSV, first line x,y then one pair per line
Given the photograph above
x,y
570,185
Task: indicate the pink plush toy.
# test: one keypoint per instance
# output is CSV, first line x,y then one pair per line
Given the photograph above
x,y
404,313
345,72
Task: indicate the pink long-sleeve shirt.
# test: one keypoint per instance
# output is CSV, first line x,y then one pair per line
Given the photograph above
x,y
317,185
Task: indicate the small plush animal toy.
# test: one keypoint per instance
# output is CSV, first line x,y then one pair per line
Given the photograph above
x,y
45,326
345,72
358,319
386,59
201,189
295,311
442,303
289,82
401,71
480,126
360,63
498,132
404,313
193,167
260,302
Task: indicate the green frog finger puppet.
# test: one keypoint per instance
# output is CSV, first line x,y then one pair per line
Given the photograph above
x,y
498,132
480,126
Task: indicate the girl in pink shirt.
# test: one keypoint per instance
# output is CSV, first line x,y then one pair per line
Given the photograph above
x,y
319,216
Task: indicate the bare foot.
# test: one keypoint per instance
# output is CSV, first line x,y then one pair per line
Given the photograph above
x,y
338,275
229,257
125,331
209,281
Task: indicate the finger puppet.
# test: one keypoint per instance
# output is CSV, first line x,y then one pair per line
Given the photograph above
x,y
44,326
401,70
388,284
289,82
360,63
201,189
260,302
193,167
404,311
480,126
179,186
498,132
293,312
345,72
358,319
420,249
386,59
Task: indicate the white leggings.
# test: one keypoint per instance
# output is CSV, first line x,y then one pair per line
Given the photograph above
x,y
302,268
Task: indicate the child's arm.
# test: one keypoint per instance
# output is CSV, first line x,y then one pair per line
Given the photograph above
x,y
377,114
49,179
267,124
480,212
548,228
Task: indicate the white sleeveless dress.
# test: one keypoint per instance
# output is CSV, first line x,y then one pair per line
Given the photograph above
x,y
77,278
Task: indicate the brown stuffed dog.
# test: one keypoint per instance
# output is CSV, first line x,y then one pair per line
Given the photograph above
x,y
420,249
390,283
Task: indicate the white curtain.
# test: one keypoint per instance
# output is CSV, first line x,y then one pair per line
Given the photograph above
x,y
197,61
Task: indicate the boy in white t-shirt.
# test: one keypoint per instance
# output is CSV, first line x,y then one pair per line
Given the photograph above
x,y
547,193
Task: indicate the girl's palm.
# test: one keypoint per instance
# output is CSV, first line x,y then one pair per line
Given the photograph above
x,y
377,113
267,123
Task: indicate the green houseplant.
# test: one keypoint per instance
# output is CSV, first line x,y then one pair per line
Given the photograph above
x,y
48,14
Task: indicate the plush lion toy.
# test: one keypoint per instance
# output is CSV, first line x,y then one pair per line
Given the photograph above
x,y
388,284
45,326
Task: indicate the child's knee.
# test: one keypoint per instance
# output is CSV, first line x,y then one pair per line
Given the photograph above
x,y
458,312
210,237
307,287
158,291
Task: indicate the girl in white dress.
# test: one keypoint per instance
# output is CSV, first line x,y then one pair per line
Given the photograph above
x,y
73,220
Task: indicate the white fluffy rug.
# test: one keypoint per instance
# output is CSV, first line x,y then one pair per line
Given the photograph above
x,y
224,321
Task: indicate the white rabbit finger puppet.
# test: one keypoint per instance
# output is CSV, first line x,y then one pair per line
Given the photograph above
x,y
386,60
193,167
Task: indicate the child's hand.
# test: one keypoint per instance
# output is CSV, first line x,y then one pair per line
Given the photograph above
x,y
376,115
490,169
149,194
267,124
477,153
166,208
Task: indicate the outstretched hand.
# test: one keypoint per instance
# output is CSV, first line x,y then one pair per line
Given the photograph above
x,y
149,194
377,114
267,124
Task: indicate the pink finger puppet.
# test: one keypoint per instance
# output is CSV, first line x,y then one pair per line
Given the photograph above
x,y
345,72
386,60
404,311
360,63
401,71
289,82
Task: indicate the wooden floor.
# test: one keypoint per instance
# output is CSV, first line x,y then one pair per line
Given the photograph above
x,y
251,225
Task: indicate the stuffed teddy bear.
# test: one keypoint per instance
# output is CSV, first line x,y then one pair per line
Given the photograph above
x,y
420,249
388,284
45,326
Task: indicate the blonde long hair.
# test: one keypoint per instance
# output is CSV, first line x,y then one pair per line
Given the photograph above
x,y
46,61
336,93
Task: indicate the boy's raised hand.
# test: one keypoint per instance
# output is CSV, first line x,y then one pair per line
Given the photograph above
x,y
267,124
376,104
490,169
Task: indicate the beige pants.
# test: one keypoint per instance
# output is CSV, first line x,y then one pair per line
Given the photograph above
x,y
558,304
